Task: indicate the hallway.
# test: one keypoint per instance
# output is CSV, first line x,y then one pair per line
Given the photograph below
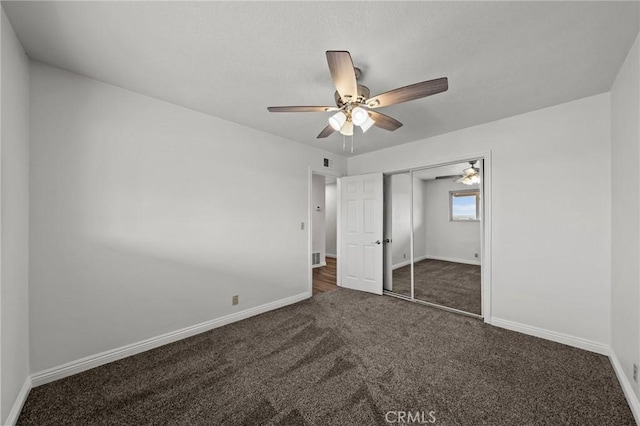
x,y
324,277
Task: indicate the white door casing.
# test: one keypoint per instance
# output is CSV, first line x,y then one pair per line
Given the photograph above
x,y
361,233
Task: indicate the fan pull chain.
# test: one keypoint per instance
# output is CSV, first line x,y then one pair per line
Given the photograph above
x,y
344,143
352,144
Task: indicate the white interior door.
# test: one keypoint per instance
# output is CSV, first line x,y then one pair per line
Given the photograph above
x,y
361,232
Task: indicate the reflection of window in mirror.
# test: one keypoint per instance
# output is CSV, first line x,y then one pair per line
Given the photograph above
x,y
464,205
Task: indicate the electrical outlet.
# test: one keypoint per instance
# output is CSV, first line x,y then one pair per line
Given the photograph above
x,y
302,226
475,255
635,373
404,255
234,300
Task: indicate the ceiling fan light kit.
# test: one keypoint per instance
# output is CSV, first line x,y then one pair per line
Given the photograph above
x,y
471,175
343,122
353,103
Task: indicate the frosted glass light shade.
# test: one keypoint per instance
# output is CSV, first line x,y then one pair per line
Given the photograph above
x,y
367,124
359,116
347,129
471,179
337,120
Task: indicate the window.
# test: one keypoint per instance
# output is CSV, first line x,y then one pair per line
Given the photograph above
x,y
464,205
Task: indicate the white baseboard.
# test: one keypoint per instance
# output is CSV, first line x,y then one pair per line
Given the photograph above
x,y
445,259
319,265
333,256
627,388
12,418
407,262
78,366
566,339
401,265
454,260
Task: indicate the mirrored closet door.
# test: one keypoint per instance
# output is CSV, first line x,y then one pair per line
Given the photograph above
x,y
440,226
397,233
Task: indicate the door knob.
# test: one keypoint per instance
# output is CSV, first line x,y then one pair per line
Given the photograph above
x,y
386,240
376,242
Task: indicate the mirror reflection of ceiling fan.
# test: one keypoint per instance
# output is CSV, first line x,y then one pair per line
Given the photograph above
x,y
469,176
354,107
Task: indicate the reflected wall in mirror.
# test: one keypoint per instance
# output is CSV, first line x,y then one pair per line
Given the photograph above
x,y
447,236
397,233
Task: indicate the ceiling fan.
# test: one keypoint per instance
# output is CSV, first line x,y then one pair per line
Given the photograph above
x,y
354,107
469,175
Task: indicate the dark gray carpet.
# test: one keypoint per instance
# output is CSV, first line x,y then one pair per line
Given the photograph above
x,y
455,285
343,358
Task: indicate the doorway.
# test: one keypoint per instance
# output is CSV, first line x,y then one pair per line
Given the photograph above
x,y
324,233
434,236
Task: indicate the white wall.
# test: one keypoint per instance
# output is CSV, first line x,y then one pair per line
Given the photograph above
x,y
551,221
446,239
402,195
147,217
401,219
419,220
625,215
14,213
317,215
331,212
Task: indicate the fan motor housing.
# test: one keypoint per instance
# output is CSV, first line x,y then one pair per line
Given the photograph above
x,y
363,95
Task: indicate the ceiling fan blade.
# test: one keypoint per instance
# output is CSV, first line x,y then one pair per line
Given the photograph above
x,y
384,121
301,109
449,177
409,93
343,73
325,132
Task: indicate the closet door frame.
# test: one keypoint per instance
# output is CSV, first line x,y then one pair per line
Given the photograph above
x,y
485,229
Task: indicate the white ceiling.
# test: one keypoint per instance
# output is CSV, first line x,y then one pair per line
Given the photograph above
x,y
233,59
